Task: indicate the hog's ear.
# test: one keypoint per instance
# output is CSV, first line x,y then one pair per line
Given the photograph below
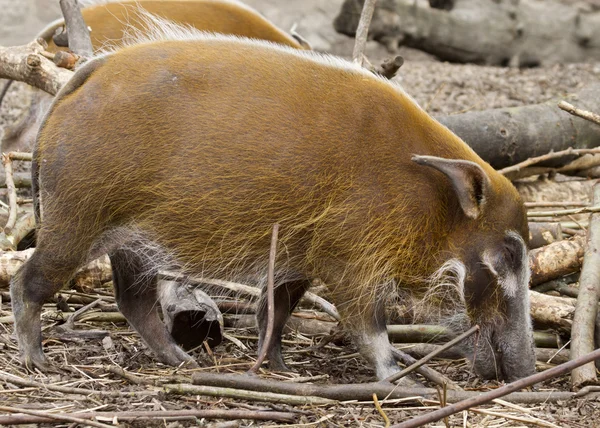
x,y
469,181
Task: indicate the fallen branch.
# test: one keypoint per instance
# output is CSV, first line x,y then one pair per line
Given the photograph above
x,y
584,114
582,332
9,378
488,396
23,227
355,391
27,64
427,372
393,378
548,156
168,415
212,391
54,416
560,213
551,191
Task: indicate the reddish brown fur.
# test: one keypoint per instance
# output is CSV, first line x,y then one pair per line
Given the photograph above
x,y
110,22
366,196
236,136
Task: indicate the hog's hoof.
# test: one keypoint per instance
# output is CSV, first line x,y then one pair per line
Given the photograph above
x,y
277,365
33,361
178,358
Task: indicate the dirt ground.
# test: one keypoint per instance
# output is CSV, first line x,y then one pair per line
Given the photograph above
x,y
440,88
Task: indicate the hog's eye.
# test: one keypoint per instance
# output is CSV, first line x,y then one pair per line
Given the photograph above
x,y
513,250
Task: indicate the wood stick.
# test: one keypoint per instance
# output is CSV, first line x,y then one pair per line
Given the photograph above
x,y
26,64
362,31
213,391
77,31
170,415
584,114
393,378
358,391
7,377
23,226
270,302
12,193
427,372
54,416
593,209
488,396
547,156
582,332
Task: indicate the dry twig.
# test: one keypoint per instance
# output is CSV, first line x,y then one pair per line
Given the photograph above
x,y
488,396
270,302
362,31
547,156
54,416
582,332
584,114
359,391
27,64
386,420
169,415
425,359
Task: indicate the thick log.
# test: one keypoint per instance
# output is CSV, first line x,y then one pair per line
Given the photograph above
x,y
552,311
541,234
557,259
507,136
546,190
521,33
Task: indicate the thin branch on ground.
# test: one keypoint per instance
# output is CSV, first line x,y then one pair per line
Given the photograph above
x,y
54,416
425,359
488,396
584,114
582,331
558,213
170,415
356,391
6,377
386,420
427,372
548,156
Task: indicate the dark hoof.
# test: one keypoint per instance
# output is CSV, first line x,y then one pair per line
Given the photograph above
x,y
40,363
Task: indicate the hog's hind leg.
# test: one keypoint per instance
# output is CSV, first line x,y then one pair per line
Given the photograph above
x,y
286,297
137,299
34,284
